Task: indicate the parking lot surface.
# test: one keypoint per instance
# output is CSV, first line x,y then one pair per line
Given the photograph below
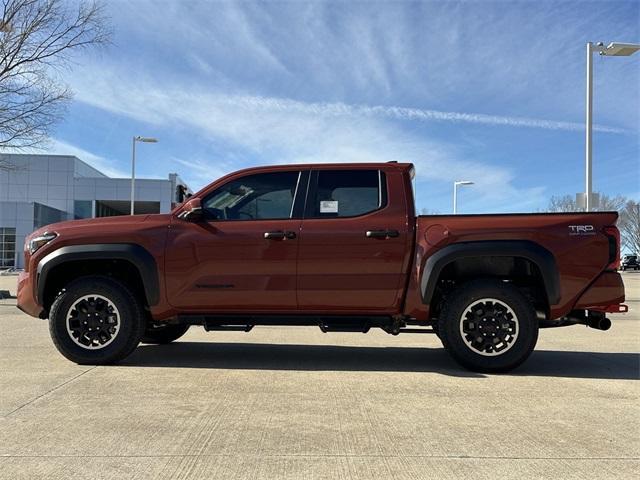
x,y
299,404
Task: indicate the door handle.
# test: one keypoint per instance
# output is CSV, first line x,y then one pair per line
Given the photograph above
x,y
382,234
279,235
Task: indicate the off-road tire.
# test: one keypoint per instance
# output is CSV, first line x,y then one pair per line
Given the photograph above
x,y
455,317
163,334
130,318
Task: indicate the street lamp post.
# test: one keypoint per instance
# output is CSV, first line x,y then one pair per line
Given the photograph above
x,y
133,165
611,50
455,193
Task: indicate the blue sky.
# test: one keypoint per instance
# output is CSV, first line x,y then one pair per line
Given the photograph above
x,y
486,91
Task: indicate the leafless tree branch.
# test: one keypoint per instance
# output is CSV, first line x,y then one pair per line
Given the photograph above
x,y
629,224
37,36
567,203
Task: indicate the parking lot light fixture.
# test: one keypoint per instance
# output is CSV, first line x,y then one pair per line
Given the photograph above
x,y
614,49
619,49
455,193
133,165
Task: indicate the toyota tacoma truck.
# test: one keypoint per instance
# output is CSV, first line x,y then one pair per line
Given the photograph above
x,y
337,246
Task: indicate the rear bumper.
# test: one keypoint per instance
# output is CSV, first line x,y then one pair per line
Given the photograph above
x,y
605,294
26,300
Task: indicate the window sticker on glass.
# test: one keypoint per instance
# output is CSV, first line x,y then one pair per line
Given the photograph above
x,y
328,206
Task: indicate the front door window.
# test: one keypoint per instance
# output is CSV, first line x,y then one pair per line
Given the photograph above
x,y
265,196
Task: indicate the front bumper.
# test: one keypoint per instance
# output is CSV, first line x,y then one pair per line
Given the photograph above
x,y
26,299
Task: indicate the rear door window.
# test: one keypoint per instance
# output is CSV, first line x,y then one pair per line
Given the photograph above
x,y
346,193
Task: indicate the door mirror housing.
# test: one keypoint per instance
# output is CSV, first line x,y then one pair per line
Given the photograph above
x,y
192,210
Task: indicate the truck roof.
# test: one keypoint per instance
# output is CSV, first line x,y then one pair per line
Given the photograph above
x,y
305,166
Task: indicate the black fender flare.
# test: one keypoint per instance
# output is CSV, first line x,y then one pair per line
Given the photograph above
x,y
140,257
532,251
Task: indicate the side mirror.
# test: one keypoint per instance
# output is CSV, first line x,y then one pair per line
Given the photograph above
x,y
192,210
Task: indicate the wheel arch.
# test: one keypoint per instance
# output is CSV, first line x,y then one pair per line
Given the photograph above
x,y
491,258
135,260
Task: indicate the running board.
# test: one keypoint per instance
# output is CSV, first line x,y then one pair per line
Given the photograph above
x,y
228,328
326,323
363,327
417,330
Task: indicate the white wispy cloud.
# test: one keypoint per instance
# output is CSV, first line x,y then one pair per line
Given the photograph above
x,y
287,131
468,56
403,113
153,95
198,172
263,82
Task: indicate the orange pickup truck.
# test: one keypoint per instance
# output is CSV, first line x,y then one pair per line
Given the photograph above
x,y
337,246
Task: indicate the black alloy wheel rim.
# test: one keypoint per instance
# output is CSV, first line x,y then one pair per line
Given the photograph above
x,y
93,322
489,327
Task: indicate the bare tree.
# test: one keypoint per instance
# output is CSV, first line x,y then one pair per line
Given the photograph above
x,y
37,37
562,203
567,203
612,204
629,224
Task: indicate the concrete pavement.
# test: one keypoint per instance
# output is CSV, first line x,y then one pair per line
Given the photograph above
x,y
296,403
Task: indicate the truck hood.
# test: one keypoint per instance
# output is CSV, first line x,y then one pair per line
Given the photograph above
x,y
93,225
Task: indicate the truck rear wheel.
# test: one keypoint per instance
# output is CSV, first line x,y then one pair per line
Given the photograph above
x,y
488,326
96,321
162,334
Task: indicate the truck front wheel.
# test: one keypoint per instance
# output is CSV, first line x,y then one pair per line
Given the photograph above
x,y
96,320
488,326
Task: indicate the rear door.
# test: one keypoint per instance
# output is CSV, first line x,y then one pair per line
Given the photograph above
x,y
354,241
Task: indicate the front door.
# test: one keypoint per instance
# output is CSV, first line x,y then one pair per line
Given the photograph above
x,y
242,256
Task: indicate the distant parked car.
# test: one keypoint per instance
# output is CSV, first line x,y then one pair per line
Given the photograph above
x,y
630,262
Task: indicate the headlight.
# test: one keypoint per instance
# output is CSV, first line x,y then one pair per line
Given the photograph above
x,y
36,242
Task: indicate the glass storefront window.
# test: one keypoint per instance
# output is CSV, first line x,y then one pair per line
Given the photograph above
x,y
45,215
7,247
82,209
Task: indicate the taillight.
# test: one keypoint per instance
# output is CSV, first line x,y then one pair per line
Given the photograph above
x,y
613,234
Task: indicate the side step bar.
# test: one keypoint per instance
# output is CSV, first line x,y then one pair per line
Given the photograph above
x,y
228,328
244,323
337,327
417,330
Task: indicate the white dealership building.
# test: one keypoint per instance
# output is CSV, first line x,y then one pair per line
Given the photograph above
x,y
36,190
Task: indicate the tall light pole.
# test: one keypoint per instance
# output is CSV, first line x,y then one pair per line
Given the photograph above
x,y
133,165
455,193
611,50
